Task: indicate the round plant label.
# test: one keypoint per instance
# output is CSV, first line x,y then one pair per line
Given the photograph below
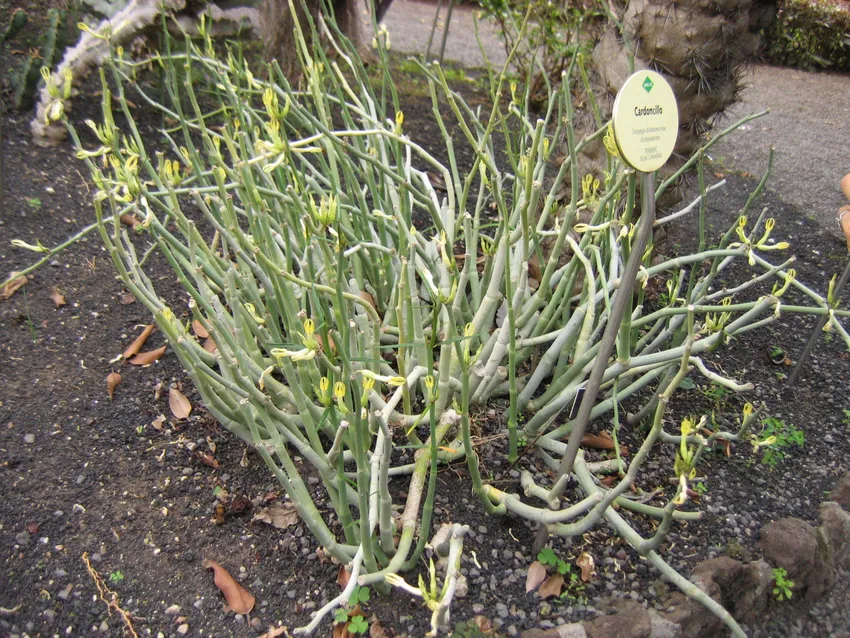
x,y
646,121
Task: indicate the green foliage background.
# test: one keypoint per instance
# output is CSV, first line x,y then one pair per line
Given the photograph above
x,y
810,34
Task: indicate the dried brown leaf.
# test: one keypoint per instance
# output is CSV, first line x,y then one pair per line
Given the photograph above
x,y
376,629
207,459
147,358
32,527
180,406
602,441
238,598
343,576
341,631
58,298
281,515
485,626
276,632
135,347
536,575
157,422
552,586
199,330
112,381
587,565
209,345
16,280
130,219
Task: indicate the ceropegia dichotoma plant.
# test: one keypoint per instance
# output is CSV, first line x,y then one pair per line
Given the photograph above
x,y
357,308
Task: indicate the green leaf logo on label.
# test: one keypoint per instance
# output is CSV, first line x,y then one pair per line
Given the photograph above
x,y
647,84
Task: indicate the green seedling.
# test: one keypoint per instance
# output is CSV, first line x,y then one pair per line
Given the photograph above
x,y
782,591
116,576
34,203
776,437
359,596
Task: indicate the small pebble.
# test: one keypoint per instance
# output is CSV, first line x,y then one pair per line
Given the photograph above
x,y
29,438
183,629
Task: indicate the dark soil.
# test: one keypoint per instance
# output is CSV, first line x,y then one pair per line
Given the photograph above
x,y
85,474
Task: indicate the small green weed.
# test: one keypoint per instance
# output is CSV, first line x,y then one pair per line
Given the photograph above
x,y
573,588
701,488
34,203
846,419
359,596
357,624
782,591
776,437
116,576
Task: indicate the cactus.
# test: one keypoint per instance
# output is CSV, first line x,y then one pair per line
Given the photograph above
x,y
25,79
18,21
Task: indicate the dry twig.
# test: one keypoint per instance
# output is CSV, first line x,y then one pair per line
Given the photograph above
x,y
110,597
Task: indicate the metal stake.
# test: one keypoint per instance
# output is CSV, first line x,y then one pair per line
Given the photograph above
x,y
609,338
810,344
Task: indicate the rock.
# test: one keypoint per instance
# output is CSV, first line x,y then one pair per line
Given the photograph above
x,y
663,628
841,492
173,610
22,538
29,438
743,586
803,551
627,619
693,618
835,521
183,629
570,630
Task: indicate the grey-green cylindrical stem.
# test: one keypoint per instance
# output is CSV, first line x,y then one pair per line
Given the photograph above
x,y
821,322
624,292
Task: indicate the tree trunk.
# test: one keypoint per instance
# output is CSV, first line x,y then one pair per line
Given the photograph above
x,y
277,27
699,46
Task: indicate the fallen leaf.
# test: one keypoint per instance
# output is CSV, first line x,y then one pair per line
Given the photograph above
x,y
136,346
146,358
16,280
199,330
276,632
179,404
602,441
209,345
112,381
238,598
58,298
130,219
281,515
485,626
552,586
586,564
343,576
376,629
157,422
208,460
536,575
220,513
127,298
341,631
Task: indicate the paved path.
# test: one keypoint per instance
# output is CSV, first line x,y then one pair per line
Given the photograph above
x,y
809,122
809,128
